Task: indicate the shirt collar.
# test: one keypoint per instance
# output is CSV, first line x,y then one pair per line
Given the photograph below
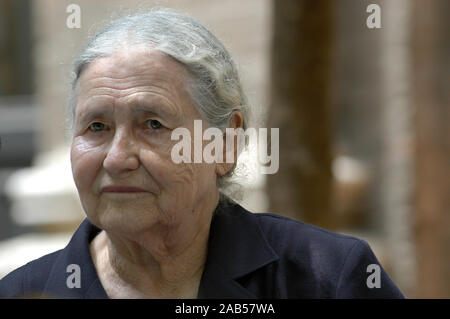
x,y
237,247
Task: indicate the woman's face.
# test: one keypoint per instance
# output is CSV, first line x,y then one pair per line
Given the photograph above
x,y
127,106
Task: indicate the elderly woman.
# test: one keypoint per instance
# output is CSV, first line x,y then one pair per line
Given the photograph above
x,y
160,229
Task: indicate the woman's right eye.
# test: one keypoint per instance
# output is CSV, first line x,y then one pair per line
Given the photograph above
x,y
97,127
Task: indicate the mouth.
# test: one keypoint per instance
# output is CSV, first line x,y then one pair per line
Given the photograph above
x,y
122,189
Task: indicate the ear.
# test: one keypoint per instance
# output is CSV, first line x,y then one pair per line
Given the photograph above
x,y
236,121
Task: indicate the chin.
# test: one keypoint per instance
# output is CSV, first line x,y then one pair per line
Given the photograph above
x,y
125,221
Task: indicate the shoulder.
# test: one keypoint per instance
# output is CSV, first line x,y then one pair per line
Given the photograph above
x,y
331,264
288,236
29,280
301,242
45,277
277,227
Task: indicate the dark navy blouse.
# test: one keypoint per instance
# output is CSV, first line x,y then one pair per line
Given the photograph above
x,y
249,256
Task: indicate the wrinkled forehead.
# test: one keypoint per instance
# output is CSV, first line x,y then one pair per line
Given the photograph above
x,y
133,68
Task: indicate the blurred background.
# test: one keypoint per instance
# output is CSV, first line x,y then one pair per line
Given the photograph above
x,y
363,115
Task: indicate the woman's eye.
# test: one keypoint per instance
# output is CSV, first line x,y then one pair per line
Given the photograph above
x,y
97,127
154,124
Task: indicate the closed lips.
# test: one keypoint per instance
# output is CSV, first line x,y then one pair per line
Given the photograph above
x,y
122,189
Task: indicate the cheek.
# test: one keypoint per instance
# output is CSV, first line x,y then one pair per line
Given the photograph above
x,y
86,162
178,180
162,169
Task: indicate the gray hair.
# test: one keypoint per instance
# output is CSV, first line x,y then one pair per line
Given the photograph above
x,y
216,90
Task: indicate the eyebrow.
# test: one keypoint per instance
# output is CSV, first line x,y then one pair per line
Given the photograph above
x,y
151,108
93,112
155,109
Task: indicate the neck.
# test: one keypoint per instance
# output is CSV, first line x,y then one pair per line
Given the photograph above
x,y
163,262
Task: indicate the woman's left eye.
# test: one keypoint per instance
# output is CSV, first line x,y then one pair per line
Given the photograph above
x,y
154,124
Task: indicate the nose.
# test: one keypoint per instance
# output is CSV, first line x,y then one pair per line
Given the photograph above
x,y
122,156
